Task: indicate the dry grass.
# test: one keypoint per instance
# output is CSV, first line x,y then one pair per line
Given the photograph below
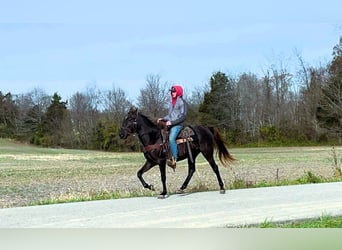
x,y
29,175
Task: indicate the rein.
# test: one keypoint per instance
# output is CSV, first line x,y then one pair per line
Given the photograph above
x,y
153,147
157,145
148,147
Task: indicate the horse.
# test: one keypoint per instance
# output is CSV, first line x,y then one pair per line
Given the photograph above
x,y
204,140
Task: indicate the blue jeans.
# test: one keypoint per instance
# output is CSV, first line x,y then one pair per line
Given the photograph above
x,y
174,131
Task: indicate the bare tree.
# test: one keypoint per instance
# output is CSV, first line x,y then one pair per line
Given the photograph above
x,y
194,101
153,99
267,101
116,104
250,94
84,115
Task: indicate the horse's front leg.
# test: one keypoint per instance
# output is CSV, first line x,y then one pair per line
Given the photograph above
x,y
147,166
162,168
191,171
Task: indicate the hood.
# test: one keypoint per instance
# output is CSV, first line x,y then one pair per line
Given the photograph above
x,y
179,90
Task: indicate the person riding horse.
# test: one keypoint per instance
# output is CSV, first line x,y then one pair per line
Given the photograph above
x,y
174,120
204,140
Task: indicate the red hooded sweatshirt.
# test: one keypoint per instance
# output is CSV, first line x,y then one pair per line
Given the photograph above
x,y
179,92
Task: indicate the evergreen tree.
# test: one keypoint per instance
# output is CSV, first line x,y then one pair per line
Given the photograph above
x,y
329,111
33,124
56,123
220,107
8,115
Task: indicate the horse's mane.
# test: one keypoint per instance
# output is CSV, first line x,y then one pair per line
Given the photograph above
x,y
148,121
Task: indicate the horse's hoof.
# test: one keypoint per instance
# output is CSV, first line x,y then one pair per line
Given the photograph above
x,y
222,191
152,188
162,196
180,191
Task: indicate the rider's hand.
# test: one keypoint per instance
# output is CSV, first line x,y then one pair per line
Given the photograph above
x,y
168,123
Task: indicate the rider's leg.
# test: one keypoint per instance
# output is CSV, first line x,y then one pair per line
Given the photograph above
x,y
174,131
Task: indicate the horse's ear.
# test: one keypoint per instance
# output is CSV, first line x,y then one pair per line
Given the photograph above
x,y
133,110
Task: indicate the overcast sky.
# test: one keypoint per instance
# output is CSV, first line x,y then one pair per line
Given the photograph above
x,y
66,46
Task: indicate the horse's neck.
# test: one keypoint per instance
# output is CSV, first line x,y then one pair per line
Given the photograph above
x,y
148,134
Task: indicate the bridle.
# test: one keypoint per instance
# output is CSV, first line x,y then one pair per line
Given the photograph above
x,y
133,130
127,128
134,117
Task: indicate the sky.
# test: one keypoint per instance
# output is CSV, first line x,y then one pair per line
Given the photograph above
x,y
67,46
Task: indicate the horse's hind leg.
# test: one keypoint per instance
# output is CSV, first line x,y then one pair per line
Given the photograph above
x,y
216,170
147,166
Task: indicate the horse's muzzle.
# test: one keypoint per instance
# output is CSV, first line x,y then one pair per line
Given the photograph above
x,y
123,134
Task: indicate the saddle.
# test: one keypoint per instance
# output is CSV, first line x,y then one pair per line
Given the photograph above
x,y
186,135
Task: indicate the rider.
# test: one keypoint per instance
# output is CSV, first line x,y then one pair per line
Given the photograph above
x,y
174,120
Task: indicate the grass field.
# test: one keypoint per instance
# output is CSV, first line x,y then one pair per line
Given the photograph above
x,y
32,175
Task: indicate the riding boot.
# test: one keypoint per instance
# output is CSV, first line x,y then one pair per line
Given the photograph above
x,y
172,163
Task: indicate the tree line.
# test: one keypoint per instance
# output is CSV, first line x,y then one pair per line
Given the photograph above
x,y
281,107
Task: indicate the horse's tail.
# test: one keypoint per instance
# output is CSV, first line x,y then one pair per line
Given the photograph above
x,y
225,157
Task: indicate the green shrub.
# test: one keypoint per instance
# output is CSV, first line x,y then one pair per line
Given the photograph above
x,y
310,177
269,133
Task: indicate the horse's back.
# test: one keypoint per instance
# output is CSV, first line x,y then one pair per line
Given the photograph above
x,y
203,134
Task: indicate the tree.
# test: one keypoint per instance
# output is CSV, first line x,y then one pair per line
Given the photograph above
x,y
194,101
220,105
84,116
8,115
154,98
251,96
33,125
329,111
32,107
57,129
221,108
279,102
309,98
281,82
116,104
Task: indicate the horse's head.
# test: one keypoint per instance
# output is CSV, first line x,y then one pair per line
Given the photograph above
x,y
129,123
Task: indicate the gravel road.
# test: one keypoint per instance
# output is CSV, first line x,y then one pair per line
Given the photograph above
x,y
198,210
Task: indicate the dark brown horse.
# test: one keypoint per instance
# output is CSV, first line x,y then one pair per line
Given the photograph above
x,y
150,135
